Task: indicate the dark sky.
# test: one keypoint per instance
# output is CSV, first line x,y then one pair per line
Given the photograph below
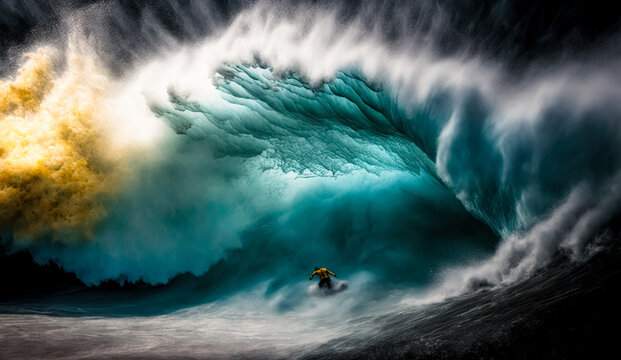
x,y
514,31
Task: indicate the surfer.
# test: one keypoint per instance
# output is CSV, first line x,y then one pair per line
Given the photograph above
x,y
324,277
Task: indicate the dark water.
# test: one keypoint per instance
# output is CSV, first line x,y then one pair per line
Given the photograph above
x,y
567,311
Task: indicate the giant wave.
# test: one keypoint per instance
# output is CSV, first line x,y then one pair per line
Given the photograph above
x,y
232,164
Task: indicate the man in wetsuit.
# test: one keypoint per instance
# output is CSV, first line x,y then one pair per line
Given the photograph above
x,y
324,277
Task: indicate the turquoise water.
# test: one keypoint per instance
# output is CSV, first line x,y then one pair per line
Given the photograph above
x,y
274,177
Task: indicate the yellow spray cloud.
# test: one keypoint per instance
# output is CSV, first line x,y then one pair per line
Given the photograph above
x,y
54,167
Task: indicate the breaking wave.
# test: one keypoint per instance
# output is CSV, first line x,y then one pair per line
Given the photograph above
x,y
285,140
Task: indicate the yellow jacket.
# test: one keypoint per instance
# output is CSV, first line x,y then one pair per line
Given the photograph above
x,y
322,273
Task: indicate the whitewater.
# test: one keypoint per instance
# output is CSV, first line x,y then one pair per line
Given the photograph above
x,y
180,182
